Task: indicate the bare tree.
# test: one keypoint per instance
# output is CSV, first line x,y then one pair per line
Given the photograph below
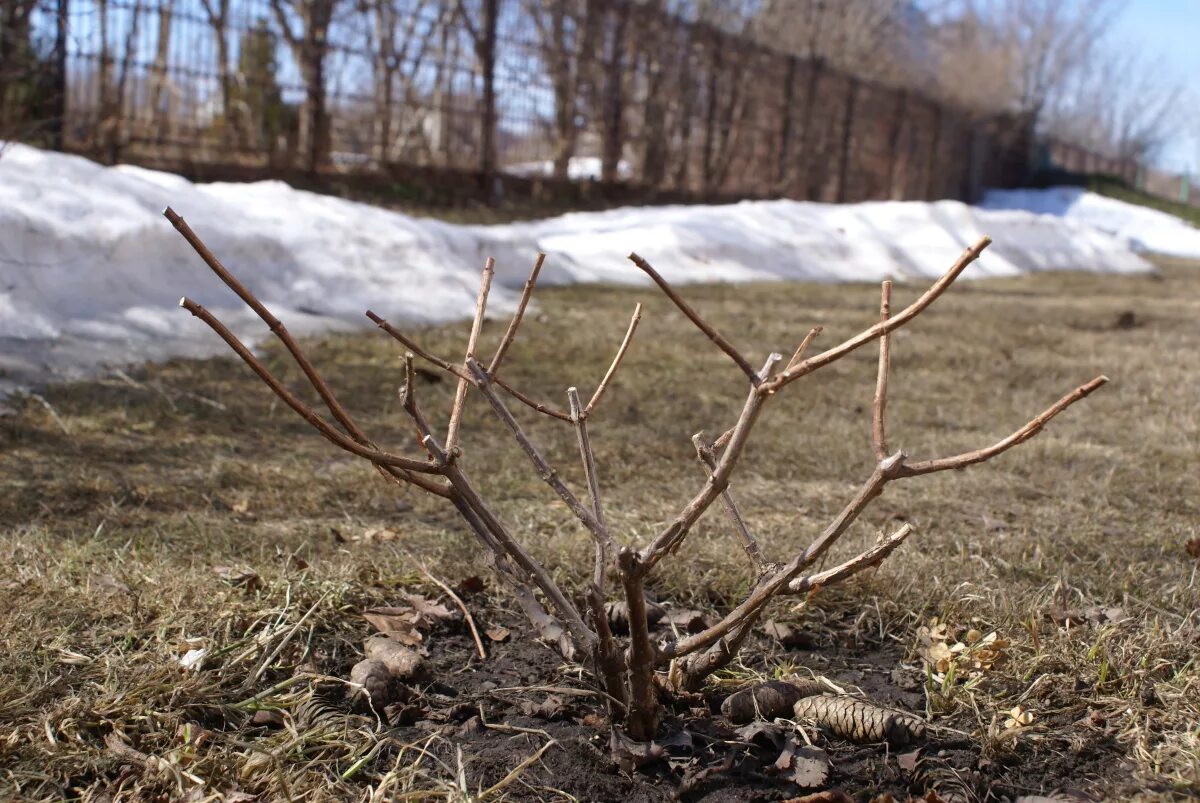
x,y
482,24
1124,106
874,39
310,46
217,12
634,672
1016,55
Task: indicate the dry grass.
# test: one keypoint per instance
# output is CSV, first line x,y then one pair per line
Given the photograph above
x,y
117,507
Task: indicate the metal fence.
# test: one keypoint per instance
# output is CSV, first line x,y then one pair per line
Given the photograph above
x,y
1071,158
555,90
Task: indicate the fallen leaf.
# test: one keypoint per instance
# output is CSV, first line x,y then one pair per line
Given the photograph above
x,y
498,633
630,754
687,621
239,576
806,766
428,613
764,734
787,636
908,761
377,535
395,623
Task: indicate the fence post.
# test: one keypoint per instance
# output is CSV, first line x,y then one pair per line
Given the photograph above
x,y
58,78
847,139
894,142
487,159
935,144
785,134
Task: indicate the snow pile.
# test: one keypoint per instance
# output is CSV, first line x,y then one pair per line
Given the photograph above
x,y
90,272
1142,229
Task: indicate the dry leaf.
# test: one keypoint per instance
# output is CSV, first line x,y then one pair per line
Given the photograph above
x,y
497,633
629,755
830,796
807,767
787,636
395,623
427,612
1018,717
377,535
239,576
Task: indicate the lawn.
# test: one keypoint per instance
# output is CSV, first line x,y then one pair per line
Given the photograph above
x,y
179,506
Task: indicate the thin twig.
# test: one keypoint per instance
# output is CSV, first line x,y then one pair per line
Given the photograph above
x,y
457,601
303,410
460,394
865,560
415,348
705,327
589,473
808,338
1020,436
670,537
706,457
548,474
616,363
892,324
276,326
266,662
879,408
540,407
511,333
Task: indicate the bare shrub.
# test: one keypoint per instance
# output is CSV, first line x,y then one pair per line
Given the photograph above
x,y
632,670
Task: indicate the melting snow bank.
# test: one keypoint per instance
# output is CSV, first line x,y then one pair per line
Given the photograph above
x,y
91,273
1142,229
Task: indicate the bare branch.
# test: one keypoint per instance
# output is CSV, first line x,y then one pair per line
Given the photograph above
x,y
460,394
879,408
466,492
461,372
705,327
412,346
589,472
303,410
548,474
871,557
616,363
884,327
1020,436
511,333
274,324
669,539
540,407
808,338
705,455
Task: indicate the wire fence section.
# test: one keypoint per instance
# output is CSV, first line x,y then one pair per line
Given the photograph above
x,y
569,90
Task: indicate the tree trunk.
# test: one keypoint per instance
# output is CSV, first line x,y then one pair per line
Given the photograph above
x,y
613,132
486,47
160,118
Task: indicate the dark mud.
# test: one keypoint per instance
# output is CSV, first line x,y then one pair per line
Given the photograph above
x,y
496,713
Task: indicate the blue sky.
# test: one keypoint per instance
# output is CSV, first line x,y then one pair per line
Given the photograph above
x,y
1170,30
